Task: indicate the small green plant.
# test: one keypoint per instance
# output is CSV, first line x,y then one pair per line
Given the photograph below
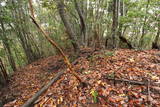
x,y
109,53
111,75
91,58
73,58
94,94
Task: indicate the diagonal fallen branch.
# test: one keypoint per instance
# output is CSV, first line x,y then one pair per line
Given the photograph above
x,y
53,43
42,90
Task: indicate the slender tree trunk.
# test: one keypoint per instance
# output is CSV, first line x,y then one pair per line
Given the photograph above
x,y
3,72
112,41
21,28
115,23
67,24
122,14
6,44
145,20
120,34
82,21
155,43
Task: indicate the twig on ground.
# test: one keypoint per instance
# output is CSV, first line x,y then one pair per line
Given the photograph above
x,y
133,81
153,89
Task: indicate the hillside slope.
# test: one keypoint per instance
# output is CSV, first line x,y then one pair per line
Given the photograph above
x,y
121,77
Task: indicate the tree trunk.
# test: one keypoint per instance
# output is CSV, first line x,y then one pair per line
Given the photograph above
x,y
8,49
111,43
122,14
155,43
144,23
21,27
3,74
120,34
82,21
65,19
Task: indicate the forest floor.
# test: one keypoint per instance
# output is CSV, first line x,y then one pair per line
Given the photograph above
x,y
114,78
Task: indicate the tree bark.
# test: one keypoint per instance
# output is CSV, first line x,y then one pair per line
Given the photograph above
x,y
6,45
155,43
82,21
120,34
3,72
21,27
111,43
69,29
144,23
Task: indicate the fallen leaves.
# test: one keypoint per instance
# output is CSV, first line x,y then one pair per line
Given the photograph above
x,y
122,64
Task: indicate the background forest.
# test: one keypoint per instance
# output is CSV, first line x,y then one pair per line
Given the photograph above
x,y
74,24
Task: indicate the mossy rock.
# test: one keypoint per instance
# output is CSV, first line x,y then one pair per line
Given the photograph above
x,y
158,43
146,42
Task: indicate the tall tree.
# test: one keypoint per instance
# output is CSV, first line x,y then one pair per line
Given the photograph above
x,y
156,43
21,27
5,42
82,22
67,24
112,42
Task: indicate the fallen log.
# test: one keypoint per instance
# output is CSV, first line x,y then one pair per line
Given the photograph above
x,y
133,81
30,101
153,86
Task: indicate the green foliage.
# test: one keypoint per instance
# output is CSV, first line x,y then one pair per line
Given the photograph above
x,y
146,42
73,58
111,75
125,20
48,4
109,53
2,51
94,94
136,14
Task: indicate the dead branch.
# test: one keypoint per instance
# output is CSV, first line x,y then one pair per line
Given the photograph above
x,y
42,90
54,44
151,84
133,81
